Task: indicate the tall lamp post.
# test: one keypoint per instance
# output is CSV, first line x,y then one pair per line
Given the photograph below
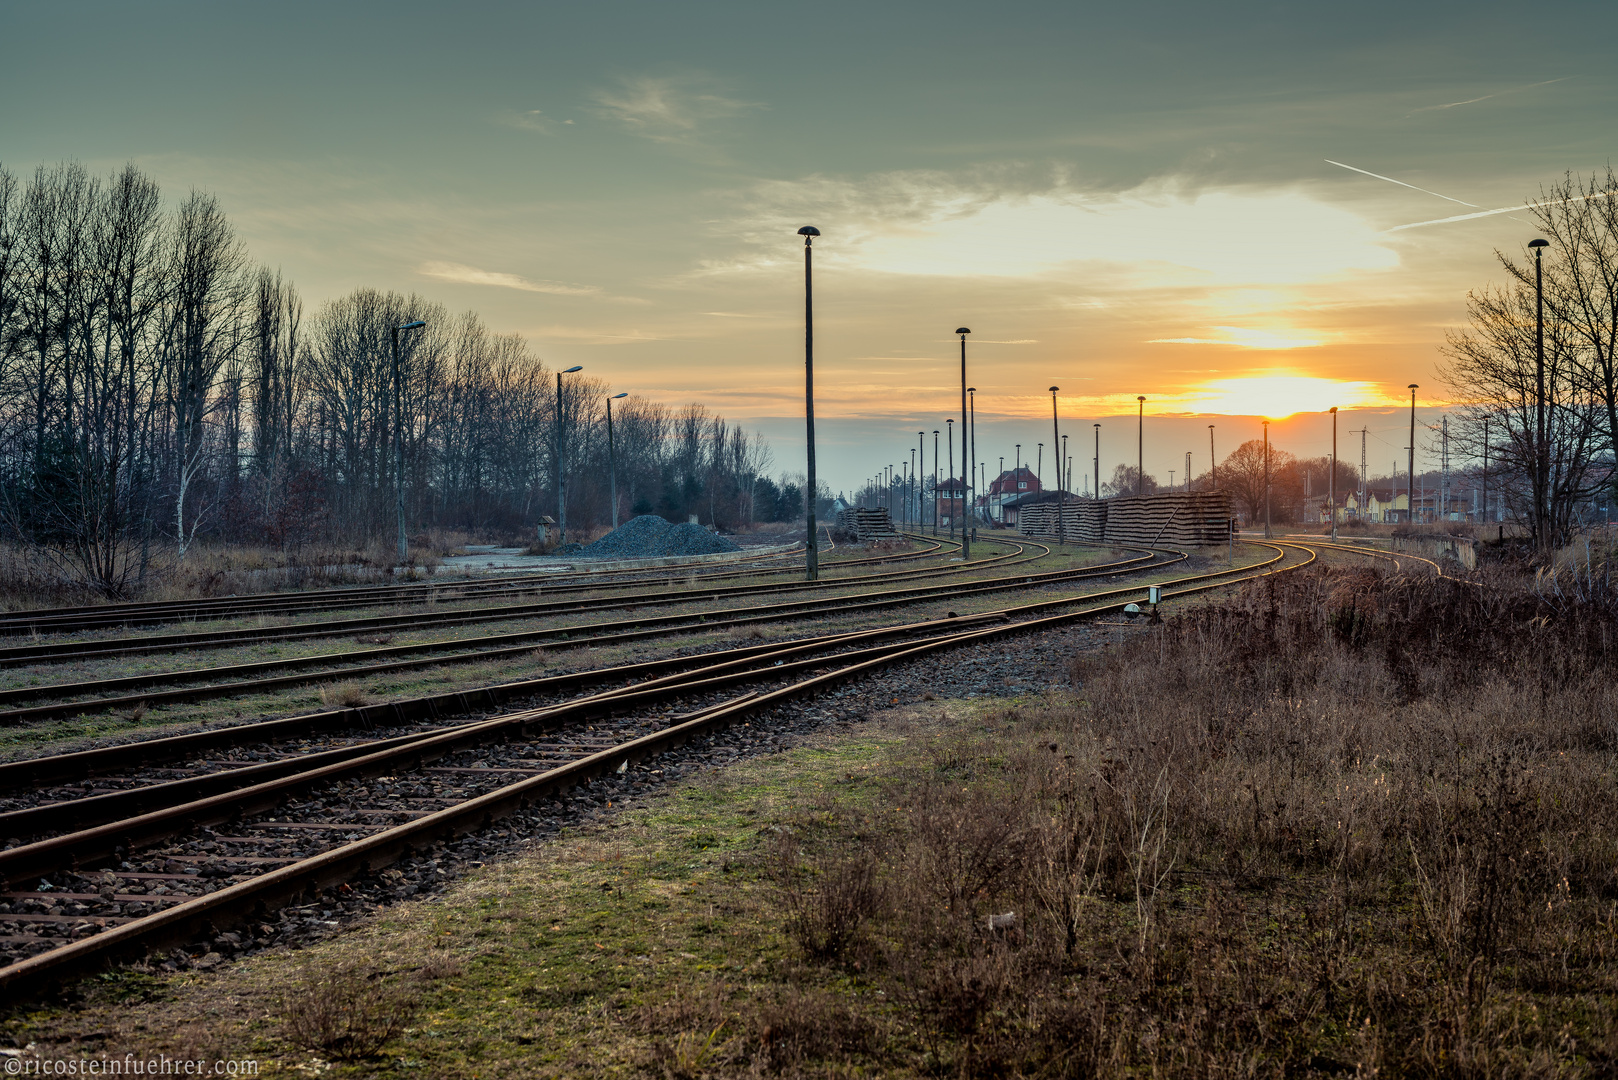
x,y
921,483
972,431
1410,477
949,477
1067,469
561,466
912,508
1334,474
1098,459
1542,471
1266,479
1056,443
612,459
1213,462
1140,447
966,539
398,436
935,481
809,232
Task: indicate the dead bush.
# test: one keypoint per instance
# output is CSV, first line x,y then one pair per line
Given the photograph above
x,y
828,901
348,694
348,1010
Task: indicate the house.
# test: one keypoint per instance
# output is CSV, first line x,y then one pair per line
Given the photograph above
x,y
1011,507
1009,486
950,496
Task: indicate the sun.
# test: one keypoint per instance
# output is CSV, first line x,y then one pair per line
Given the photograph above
x,y
1280,396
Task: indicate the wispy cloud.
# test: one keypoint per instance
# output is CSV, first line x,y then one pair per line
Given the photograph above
x,y
1167,230
529,120
1244,338
1488,97
668,109
471,275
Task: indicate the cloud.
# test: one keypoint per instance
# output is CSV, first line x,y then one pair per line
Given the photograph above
x,y
1165,231
469,275
669,109
1245,339
529,120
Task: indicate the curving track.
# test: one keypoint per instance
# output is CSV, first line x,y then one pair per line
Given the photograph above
x,y
144,854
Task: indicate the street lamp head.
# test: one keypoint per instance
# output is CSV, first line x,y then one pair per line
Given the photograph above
x,y
1332,409
808,230
571,370
1054,389
1413,386
971,389
1140,397
1539,243
417,325
615,397
962,330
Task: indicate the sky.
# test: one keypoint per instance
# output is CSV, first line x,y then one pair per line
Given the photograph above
x,y
1173,200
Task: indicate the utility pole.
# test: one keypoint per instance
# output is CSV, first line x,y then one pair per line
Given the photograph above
x,y
1267,532
921,482
935,481
1359,510
1187,472
966,541
561,458
1485,515
612,464
1443,483
1213,462
1140,447
809,232
949,442
1067,471
1541,457
977,472
1334,474
1410,481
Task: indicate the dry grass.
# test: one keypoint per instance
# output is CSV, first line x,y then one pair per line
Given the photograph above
x,y
349,694
1343,823
348,1010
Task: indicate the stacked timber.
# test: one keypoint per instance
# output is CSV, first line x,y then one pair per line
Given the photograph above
x,y
867,523
1075,521
1170,518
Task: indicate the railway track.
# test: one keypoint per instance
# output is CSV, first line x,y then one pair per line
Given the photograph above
x,y
141,862
259,676
92,617
58,651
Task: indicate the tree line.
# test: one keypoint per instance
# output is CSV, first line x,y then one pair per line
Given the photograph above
x,y
158,387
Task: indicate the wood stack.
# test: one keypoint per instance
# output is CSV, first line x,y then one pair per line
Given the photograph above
x,y
1071,522
867,523
1170,518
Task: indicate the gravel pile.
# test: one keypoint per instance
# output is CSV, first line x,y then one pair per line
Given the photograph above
x,y
649,536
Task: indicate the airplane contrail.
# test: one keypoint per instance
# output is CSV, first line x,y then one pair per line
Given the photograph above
x,y
1486,97
1401,183
1501,210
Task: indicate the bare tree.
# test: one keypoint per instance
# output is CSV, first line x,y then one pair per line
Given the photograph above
x,y
200,333
1491,366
